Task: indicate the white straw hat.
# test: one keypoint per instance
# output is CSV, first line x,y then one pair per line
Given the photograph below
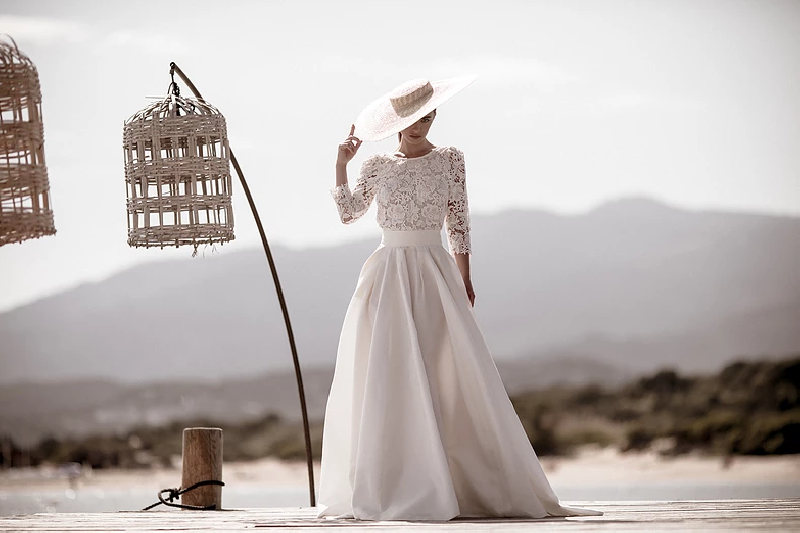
x,y
404,105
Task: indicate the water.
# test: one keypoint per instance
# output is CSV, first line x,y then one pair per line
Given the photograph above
x,y
94,500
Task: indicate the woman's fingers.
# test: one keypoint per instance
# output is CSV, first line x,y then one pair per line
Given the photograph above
x,y
351,144
353,141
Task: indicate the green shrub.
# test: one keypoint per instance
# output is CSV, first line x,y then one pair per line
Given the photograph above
x,y
639,438
770,435
584,436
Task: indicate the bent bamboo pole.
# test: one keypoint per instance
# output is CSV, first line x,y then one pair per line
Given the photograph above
x,y
281,300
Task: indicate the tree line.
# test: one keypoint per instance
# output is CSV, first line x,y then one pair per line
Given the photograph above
x,y
748,408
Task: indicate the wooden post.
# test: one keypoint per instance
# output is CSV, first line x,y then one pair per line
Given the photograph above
x,y
202,460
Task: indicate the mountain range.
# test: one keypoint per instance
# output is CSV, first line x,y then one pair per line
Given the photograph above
x,y
634,284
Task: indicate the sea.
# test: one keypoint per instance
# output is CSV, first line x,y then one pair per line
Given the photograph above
x,y
95,500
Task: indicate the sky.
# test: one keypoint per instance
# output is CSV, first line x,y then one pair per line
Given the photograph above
x,y
691,103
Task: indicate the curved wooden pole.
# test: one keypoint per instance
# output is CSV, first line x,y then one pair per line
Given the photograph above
x,y
281,300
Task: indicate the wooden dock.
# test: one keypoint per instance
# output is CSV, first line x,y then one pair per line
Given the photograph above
x,y
772,515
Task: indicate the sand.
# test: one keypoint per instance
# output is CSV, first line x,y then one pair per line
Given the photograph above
x,y
592,466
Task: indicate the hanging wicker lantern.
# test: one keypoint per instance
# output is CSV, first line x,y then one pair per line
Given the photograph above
x,y
25,211
179,192
177,173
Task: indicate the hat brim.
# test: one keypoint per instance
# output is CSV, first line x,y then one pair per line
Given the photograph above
x,y
379,120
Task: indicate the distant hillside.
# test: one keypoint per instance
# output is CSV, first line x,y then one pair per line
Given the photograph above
x,y
31,411
759,334
634,284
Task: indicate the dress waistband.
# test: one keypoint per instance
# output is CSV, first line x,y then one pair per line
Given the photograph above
x,y
417,237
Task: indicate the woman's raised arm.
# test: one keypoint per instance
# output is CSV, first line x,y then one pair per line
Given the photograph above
x,y
353,205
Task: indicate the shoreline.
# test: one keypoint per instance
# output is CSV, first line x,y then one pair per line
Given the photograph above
x,y
590,467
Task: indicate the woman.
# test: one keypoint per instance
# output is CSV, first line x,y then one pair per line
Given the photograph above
x,y
418,425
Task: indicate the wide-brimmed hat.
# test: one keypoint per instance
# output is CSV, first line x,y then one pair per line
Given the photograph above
x,y
404,105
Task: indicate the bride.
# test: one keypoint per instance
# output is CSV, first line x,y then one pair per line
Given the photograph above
x,y
418,425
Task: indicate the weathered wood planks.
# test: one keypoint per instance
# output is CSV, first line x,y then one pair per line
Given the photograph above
x,y
772,515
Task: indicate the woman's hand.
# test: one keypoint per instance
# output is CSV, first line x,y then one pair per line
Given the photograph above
x,y
348,147
462,262
470,291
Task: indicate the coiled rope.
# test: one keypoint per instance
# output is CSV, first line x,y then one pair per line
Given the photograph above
x,y
173,494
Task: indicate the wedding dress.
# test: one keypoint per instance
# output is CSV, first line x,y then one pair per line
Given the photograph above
x,y
418,425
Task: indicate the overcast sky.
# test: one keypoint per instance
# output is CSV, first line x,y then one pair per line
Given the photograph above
x,y
693,103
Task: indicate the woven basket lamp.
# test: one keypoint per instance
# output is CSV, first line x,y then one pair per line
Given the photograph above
x,y
25,211
177,171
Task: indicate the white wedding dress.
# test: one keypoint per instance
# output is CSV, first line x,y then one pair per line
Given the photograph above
x,y
418,424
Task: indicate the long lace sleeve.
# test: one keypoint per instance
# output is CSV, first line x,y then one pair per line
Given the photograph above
x,y
353,205
457,206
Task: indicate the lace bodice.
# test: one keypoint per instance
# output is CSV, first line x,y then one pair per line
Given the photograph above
x,y
420,193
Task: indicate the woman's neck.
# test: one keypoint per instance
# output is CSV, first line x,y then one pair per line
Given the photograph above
x,y
409,151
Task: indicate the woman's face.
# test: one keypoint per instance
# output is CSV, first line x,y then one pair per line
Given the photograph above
x,y
418,131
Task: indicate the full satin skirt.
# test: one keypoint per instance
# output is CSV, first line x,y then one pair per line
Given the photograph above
x,y
418,424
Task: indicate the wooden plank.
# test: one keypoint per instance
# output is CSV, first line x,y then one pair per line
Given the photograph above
x,y
774,515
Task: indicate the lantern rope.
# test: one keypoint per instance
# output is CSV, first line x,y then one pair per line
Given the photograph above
x,y
174,69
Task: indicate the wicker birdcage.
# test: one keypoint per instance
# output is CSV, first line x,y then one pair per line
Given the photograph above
x,y
177,171
25,211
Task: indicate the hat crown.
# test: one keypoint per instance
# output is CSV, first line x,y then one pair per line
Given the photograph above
x,y
410,97
401,107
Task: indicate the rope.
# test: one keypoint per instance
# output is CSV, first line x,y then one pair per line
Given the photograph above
x,y
174,86
175,493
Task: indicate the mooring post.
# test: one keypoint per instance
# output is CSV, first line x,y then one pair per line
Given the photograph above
x,y
202,460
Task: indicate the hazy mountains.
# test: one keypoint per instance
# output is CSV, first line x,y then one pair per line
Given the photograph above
x,y
633,284
31,411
